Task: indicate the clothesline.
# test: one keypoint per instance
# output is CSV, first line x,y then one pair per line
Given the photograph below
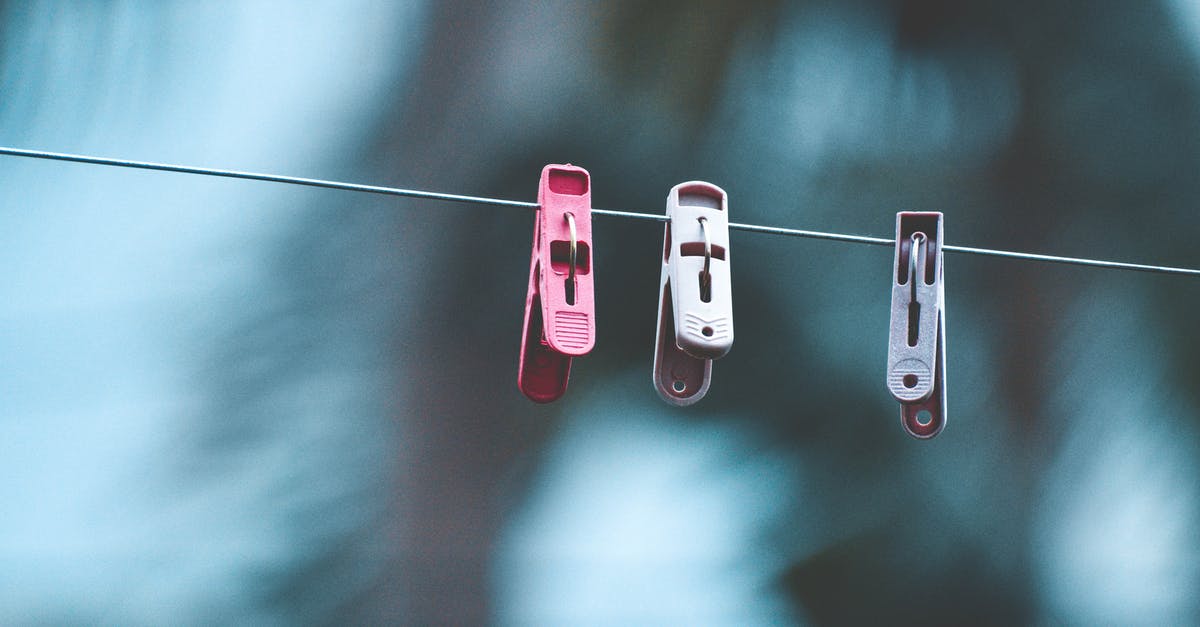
x,y
499,202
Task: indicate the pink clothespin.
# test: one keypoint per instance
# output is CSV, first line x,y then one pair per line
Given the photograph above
x,y
917,341
560,309
695,306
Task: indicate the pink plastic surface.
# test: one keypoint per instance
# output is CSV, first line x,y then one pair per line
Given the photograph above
x,y
560,312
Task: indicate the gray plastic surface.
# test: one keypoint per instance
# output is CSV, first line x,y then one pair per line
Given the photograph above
x,y
916,373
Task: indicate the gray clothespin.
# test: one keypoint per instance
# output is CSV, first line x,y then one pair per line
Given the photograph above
x,y
916,370
695,307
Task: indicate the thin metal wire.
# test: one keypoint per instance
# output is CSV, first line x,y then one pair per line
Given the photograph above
x,y
271,178
706,275
481,200
915,252
574,245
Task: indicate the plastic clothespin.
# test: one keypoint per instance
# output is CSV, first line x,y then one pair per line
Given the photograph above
x,y
916,370
560,310
695,307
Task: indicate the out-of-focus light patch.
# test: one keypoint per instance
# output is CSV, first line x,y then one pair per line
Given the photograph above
x,y
637,517
532,72
831,88
114,281
1119,543
1187,13
1114,531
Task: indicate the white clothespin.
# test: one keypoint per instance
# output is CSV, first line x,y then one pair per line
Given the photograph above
x,y
695,307
916,370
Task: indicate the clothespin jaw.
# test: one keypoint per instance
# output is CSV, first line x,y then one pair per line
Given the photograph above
x,y
560,310
695,307
916,370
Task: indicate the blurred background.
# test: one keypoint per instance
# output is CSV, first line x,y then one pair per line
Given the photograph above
x,y
238,402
